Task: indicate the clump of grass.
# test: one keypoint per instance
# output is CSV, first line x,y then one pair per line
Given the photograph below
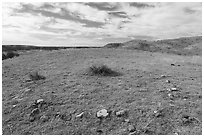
x,y
36,76
9,54
102,70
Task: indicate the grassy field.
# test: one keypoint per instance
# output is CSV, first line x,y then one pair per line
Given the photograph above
x,y
161,93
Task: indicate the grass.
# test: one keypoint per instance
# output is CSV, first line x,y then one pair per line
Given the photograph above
x,y
66,93
36,76
102,70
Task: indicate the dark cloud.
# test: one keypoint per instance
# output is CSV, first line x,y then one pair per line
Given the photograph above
x,y
29,8
103,6
141,5
119,14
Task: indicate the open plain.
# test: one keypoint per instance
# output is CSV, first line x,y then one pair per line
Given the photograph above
x,y
160,93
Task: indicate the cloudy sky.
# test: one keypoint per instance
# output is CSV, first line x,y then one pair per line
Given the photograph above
x,y
97,24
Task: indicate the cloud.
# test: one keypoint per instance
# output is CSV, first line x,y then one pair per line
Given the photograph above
x,y
99,23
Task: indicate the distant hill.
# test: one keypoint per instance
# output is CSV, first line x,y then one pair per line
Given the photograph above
x,y
181,46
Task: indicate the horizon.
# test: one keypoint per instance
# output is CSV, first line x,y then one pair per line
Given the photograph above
x,y
97,24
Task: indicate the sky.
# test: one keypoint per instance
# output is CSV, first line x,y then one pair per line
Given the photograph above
x,y
96,24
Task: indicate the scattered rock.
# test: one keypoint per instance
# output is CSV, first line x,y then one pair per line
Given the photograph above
x,y
44,118
102,113
131,128
121,113
80,115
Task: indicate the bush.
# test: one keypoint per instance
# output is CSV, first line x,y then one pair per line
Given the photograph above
x,y
36,76
9,54
102,70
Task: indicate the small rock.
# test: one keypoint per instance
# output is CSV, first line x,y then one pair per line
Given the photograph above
x,y
39,101
132,133
31,118
27,90
102,113
35,112
44,118
167,81
163,76
120,113
172,64
14,106
131,128
99,131
155,111
127,120
80,115
174,89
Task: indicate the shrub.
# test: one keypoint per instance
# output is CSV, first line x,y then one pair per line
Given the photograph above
x,y
36,76
9,54
102,70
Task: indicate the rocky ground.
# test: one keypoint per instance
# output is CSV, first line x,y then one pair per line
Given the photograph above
x,y
156,93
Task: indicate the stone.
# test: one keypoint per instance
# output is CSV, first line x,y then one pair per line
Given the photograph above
x,y
131,128
167,81
163,76
174,89
127,120
27,90
31,118
39,101
35,112
44,118
102,113
120,113
80,115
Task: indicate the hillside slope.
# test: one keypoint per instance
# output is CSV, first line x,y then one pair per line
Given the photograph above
x,y
180,46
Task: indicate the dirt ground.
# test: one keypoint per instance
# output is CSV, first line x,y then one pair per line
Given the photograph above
x,y
161,93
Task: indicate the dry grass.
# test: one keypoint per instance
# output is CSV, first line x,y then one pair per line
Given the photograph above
x,y
102,70
66,93
36,76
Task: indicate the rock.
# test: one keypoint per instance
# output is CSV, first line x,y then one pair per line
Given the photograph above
x,y
35,112
127,120
39,101
80,115
163,76
121,113
44,118
31,118
27,90
174,89
132,133
167,81
131,128
102,113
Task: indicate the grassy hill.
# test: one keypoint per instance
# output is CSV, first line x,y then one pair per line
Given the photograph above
x,y
180,46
